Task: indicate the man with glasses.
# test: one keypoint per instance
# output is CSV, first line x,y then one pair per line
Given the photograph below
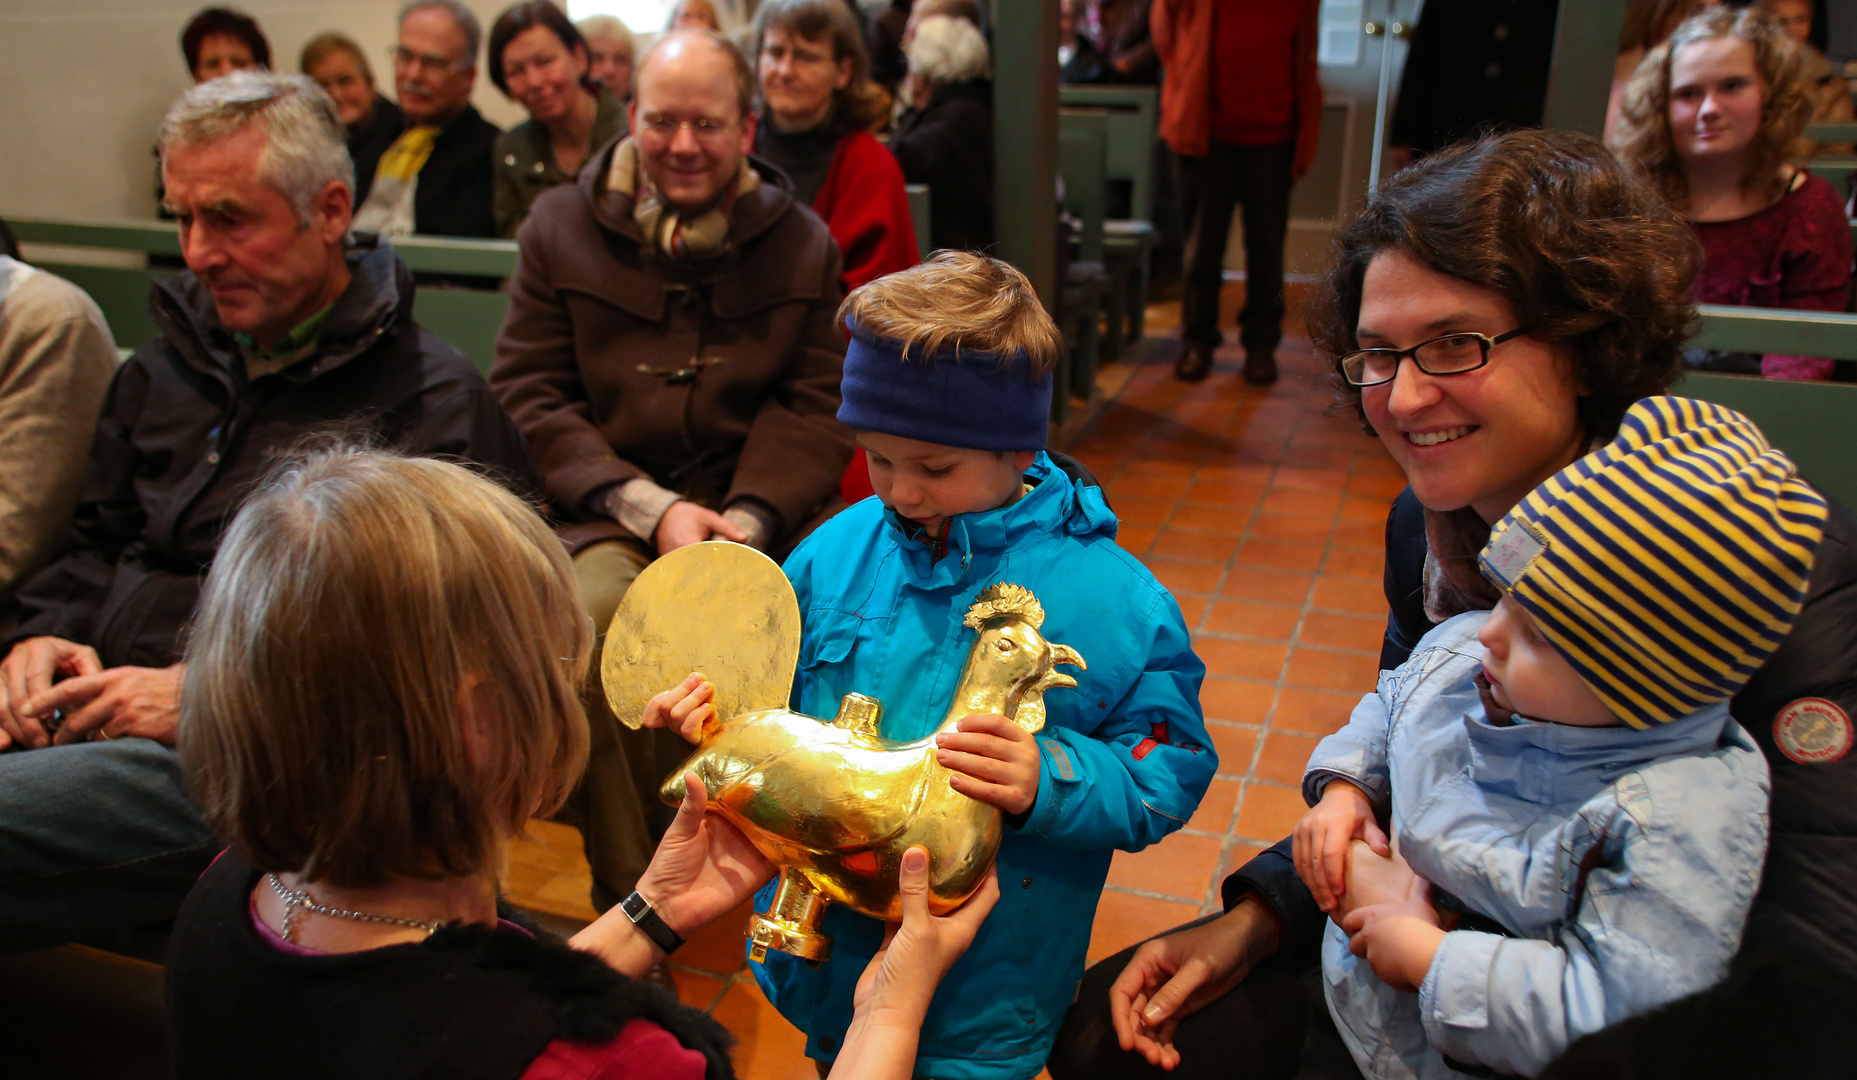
x,y
671,354
436,177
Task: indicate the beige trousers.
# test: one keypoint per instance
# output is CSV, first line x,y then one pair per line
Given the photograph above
x,y
616,806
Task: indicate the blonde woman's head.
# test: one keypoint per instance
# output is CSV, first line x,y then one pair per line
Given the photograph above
x,y
383,676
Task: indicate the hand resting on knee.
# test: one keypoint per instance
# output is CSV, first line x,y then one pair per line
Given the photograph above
x,y
1174,976
43,677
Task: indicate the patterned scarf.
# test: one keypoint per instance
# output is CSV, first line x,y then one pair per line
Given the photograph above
x,y
389,206
678,236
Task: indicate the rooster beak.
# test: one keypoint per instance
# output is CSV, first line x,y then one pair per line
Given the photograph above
x,y
1061,654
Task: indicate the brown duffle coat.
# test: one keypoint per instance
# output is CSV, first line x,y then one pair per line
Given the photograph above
x,y
719,381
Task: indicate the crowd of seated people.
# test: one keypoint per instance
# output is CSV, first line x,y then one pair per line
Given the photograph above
x,y
210,550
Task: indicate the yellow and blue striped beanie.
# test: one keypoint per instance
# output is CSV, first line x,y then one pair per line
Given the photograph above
x,y
1668,565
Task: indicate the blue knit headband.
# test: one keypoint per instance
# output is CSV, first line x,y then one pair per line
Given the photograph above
x,y
953,397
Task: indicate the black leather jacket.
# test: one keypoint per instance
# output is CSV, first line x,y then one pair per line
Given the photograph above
x,y
184,436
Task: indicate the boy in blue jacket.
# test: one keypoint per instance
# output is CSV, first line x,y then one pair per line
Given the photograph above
x,y
948,385
1589,820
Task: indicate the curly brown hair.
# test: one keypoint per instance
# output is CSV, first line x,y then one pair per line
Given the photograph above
x,y
1586,256
1643,138
862,105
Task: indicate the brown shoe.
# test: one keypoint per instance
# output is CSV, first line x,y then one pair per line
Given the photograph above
x,y
1260,368
1195,362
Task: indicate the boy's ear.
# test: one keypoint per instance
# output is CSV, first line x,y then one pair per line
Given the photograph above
x,y
1022,459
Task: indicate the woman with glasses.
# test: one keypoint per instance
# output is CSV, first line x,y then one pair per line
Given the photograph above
x,y
539,59
1493,312
1710,119
818,107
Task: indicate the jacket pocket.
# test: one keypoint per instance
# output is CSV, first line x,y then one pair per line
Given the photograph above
x,y
829,647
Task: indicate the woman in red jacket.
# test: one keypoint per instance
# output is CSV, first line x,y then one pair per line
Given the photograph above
x,y
818,106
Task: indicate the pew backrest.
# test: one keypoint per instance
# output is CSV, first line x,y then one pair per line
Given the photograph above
x,y
920,217
1133,124
1815,423
1082,136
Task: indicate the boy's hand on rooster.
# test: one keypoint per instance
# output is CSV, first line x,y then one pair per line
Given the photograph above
x,y
994,760
684,708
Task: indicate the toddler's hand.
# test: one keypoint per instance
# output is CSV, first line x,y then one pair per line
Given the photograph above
x,y
994,760
1322,837
684,708
1398,938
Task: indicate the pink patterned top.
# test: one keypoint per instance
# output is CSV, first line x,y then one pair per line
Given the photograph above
x,y
1794,254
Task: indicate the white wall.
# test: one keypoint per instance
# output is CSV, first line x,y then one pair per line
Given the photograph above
x,y
84,84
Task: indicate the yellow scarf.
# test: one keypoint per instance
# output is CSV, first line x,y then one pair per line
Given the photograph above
x,y
389,206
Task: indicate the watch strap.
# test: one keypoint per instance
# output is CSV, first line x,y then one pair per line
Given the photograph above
x,y
639,910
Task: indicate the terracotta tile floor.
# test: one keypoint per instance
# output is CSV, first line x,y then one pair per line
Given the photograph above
x,y
1263,514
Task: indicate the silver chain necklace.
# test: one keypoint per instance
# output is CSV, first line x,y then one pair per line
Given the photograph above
x,y
300,898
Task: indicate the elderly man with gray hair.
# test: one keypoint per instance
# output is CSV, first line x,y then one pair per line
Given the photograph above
x,y
279,330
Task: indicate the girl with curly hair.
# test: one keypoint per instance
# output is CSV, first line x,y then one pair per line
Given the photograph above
x,y
1711,119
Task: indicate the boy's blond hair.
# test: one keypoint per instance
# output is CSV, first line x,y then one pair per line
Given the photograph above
x,y
383,677
957,299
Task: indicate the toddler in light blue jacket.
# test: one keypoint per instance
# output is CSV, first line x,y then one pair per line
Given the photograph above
x,y
1585,821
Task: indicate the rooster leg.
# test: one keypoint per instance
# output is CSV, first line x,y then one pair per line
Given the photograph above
x,y
791,924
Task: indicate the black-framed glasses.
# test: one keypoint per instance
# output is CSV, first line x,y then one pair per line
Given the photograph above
x,y
1452,354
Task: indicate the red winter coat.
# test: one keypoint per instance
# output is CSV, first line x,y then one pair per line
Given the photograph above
x,y
865,206
1183,36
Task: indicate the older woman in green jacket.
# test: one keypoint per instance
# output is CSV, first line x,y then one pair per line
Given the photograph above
x,y
540,61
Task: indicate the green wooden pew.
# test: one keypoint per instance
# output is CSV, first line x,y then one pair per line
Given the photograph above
x,y
920,217
1082,149
1813,422
467,318
1132,126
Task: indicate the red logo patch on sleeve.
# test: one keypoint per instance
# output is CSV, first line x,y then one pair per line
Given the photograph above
x,y
1812,731
1155,738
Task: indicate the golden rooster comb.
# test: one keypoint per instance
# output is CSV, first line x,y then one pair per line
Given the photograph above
x,y
1005,598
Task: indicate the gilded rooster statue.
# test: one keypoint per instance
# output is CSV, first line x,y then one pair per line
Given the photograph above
x,y
832,803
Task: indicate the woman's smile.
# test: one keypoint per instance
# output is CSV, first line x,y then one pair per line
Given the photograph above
x,y
1436,437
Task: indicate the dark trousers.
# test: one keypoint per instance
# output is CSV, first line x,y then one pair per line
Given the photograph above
x,y
1211,187
1273,1026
